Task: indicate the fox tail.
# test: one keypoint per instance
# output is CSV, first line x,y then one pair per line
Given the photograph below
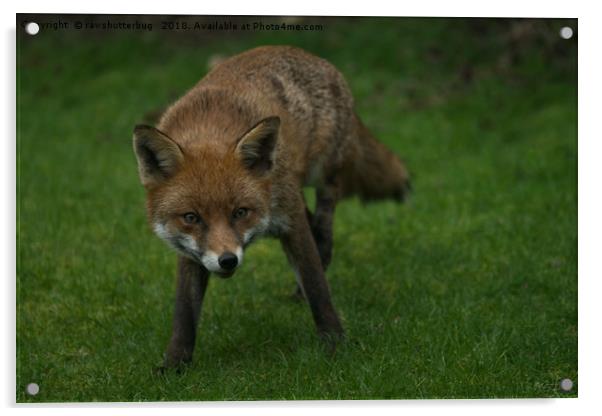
x,y
374,172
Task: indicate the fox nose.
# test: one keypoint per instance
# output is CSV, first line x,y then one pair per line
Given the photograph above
x,y
228,261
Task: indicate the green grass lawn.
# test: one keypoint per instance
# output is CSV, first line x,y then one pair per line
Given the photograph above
x,y
467,291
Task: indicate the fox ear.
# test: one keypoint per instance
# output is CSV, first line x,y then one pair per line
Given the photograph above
x,y
256,148
158,156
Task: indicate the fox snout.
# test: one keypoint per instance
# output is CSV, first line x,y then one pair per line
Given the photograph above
x,y
223,264
228,261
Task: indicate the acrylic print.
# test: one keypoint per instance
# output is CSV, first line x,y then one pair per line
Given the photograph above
x,y
295,208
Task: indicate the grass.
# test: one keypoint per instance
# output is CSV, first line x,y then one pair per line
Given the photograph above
x,y
467,291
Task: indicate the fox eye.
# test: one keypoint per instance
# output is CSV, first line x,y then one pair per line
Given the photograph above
x,y
240,213
191,218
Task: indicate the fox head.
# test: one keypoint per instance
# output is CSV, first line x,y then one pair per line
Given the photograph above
x,y
206,202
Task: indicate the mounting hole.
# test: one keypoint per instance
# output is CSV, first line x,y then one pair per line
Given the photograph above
x,y
566,384
32,28
32,389
566,32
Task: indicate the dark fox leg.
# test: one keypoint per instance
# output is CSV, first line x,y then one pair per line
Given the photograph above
x,y
302,253
298,293
321,227
192,284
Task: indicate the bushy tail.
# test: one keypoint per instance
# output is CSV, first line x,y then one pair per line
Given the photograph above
x,y
375,172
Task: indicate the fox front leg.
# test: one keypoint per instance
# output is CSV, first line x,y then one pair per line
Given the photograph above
x,y
321,222
298,293
192,284
302,253
321,228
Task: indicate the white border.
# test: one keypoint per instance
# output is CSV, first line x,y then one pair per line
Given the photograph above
x,y
459,8
590,135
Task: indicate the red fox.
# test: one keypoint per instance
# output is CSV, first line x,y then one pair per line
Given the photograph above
x,y
227,164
